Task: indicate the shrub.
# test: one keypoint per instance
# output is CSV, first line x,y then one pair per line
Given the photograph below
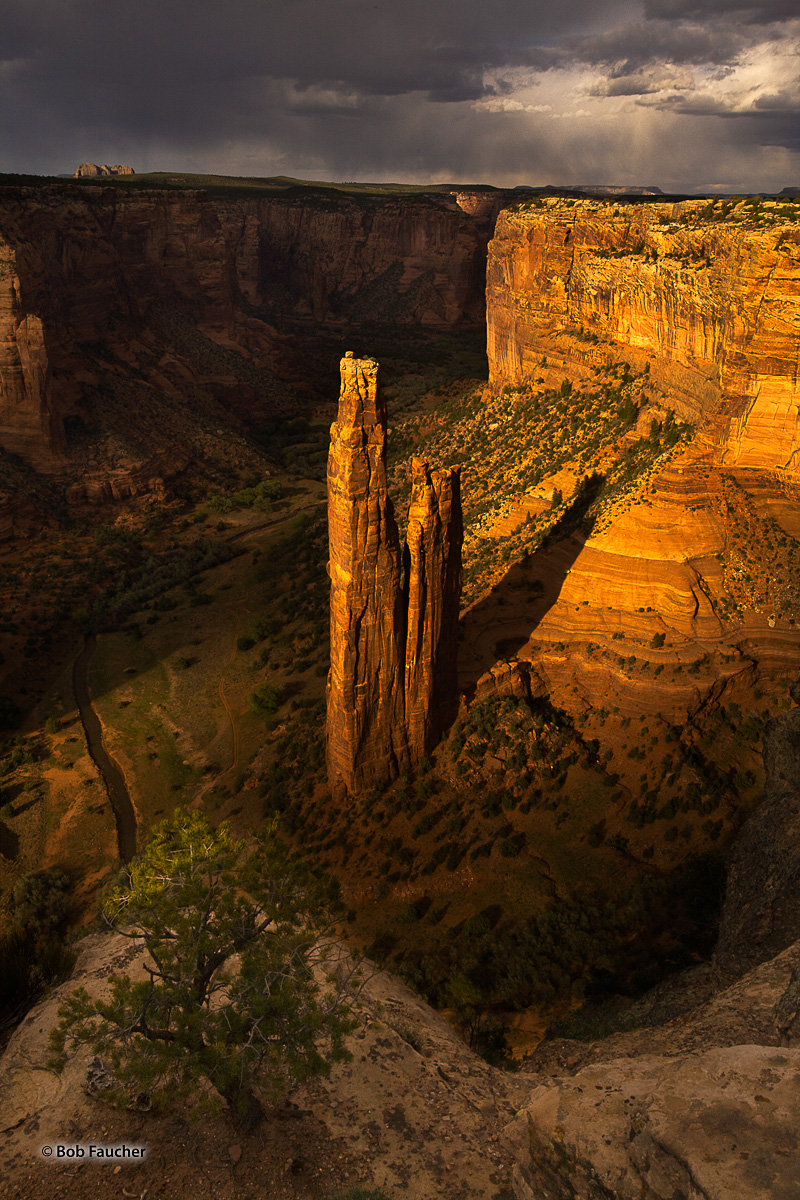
x,y
32,950
264,700
9,713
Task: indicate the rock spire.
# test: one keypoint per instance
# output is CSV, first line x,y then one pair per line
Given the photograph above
x,y
432,594
392,685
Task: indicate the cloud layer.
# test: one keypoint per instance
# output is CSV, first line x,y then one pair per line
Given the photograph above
x,y
686,94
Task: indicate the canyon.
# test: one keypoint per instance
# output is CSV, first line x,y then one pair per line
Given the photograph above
x,y
627,473
153,338
529,804
704,292
697,1097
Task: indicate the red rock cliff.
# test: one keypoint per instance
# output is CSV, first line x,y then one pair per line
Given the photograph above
x,y
709,295
392,686
338,260
79,272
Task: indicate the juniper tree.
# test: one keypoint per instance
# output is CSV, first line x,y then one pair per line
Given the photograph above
x,y
242,977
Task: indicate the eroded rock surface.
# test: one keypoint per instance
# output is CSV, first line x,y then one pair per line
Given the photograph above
x,y
90,170
719,1125
433,582
710,300
366,725
701,302
392,686
414,1112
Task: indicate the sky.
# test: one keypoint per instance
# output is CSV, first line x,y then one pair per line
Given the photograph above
x,y
687,95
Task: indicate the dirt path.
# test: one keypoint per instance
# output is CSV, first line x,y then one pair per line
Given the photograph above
x,y
281,519
225,705
110,770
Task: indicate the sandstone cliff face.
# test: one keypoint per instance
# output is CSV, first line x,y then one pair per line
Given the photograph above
x,y
80,271
85,272
712,303
704,304
392,682
761,915
28,424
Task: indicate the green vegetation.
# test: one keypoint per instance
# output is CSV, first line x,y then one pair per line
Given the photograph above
x,y
762,561
33,949
516,441
585,945
232,941
264,700
258,496
97,580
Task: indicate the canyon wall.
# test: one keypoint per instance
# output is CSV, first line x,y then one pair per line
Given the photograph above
x,y
392,685
687,571
184,290
337,259
709,297
79,273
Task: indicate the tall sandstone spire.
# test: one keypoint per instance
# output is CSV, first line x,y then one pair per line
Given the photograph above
x,y
392,682
433,592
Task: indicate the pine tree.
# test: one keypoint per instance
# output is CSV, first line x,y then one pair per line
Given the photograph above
x,y
243,984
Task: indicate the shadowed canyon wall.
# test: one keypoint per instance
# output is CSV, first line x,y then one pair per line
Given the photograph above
x,y
187,289
392,686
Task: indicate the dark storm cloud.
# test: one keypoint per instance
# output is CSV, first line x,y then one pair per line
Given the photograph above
x,y
660,41
378,47
379,88
87,76
758,11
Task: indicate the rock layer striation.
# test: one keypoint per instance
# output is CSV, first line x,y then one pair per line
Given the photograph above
x,y
701,302
709,296
392,685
